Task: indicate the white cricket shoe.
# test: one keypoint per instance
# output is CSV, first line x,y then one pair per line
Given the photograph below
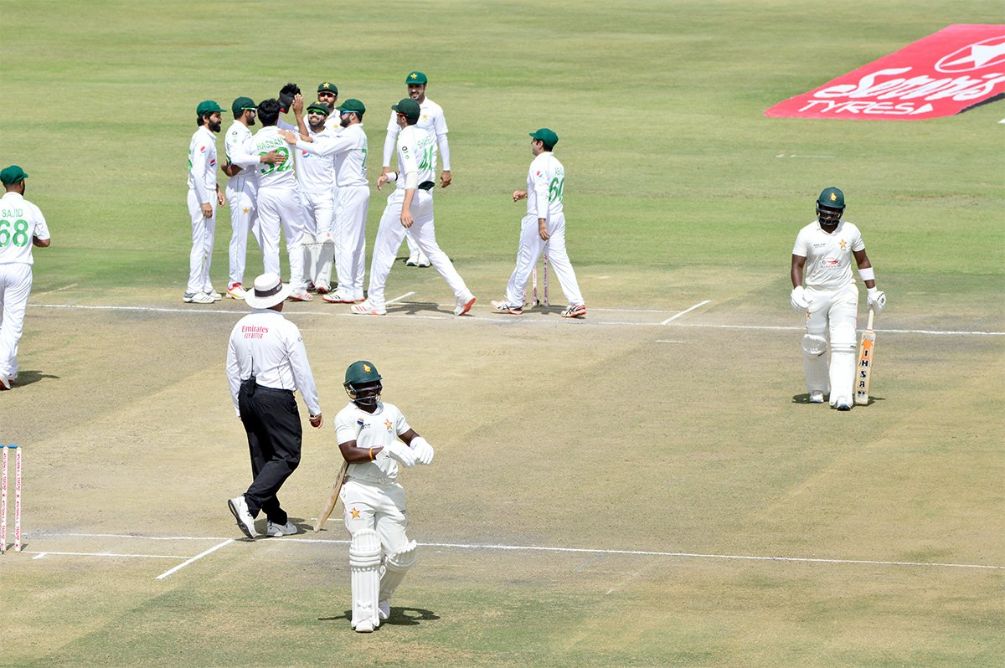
x,y
413,259
196,298
574,311
338,297
322,288
843,405
236,291
464,304
367,308
5,384
300,296
816,397
245,522
214,295
422,260
366,626
274,530
384,610
504,307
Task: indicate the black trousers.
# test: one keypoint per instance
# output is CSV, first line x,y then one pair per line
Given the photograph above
x,y
272,422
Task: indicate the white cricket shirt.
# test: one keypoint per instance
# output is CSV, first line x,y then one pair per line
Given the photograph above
x,y
202,165
371,430
431,119
20,220
266,345
416,155
545,186
275,176
315,171
239,147
828,256
348,148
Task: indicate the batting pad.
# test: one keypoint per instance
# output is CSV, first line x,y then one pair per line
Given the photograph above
x,y
364,568
395,568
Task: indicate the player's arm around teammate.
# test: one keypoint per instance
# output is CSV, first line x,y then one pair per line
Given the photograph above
x,y
375,439
22,226
823,287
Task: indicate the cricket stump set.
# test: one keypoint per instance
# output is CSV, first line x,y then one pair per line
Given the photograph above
x,y
534,300
4,482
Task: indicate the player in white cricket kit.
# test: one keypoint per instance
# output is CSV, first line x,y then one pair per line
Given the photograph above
x,y
432,120
543,229
349,150
410,206
22,226
203,197
279,203
823,287
316,174
370,434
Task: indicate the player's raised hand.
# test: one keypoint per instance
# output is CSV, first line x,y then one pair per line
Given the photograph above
x,y
298,104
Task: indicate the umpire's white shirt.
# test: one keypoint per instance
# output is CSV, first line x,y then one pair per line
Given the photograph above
x,y
266,345
371,430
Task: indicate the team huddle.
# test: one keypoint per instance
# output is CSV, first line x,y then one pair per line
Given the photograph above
x,y
307,182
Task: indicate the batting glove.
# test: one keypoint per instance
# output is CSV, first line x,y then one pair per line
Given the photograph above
x,y
423,450
400,453
798,299
877,298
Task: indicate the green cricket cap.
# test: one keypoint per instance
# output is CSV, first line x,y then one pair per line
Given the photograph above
x,y
417,78
408,107
318,108
545,135
831,198
242,104
327,87
207,107
12,174
352,105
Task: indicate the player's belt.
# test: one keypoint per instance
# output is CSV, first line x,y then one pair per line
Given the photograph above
x,y
426,185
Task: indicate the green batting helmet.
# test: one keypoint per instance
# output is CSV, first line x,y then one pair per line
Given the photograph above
x,y
362,383
831,198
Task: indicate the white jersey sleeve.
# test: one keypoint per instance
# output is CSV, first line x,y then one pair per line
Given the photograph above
x,y
391,140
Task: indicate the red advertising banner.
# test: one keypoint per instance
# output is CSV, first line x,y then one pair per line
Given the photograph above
x,y
946,73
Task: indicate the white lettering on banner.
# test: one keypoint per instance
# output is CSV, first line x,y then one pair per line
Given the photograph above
x,y
865,107
959,88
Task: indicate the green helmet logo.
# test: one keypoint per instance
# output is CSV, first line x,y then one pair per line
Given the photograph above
x,y
831,198
361,373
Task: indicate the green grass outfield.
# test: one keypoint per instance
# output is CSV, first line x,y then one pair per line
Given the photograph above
x,y
679,190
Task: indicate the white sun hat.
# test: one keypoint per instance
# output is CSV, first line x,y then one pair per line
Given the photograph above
x,y
269,290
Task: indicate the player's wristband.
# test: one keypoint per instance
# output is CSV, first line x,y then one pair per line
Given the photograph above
x,y
392,178
371,454
867,274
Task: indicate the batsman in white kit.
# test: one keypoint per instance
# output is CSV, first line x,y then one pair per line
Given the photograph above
x,y
410,207
375,440
823,287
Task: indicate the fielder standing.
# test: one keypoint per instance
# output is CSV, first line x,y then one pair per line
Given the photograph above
x,y
242,187
410,206
543,229
368,432
22,226
203,197
315,175
266,363
432,120
279,203
349,149
823,287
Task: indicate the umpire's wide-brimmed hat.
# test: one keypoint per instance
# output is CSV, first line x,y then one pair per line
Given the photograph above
x,y
269,290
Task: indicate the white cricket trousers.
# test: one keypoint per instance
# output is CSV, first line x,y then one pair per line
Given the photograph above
x,y
15,286
319,240
203,232
242,212
379,507
282,206
352,205
390,234
832,314
531,246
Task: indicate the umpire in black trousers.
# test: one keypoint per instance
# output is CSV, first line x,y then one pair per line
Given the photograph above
x,y
266,364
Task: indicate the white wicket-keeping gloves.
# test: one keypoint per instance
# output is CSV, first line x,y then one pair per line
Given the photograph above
x,y
423,450
877,298
798,298
400,453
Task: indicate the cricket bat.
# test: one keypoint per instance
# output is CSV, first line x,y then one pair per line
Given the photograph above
x,y
332,500
866,358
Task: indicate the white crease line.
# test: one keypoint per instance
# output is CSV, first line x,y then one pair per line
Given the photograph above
x,y
391,301
131,535
500,319
685,312
116,555
65,287
194,559
539,548
668,341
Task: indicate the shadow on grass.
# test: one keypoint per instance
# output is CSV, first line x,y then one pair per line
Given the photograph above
x,y
29,376
399,617
805,399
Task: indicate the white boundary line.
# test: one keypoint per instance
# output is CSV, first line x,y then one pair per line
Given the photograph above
x,y
172,571
531,548
685,312
498,320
